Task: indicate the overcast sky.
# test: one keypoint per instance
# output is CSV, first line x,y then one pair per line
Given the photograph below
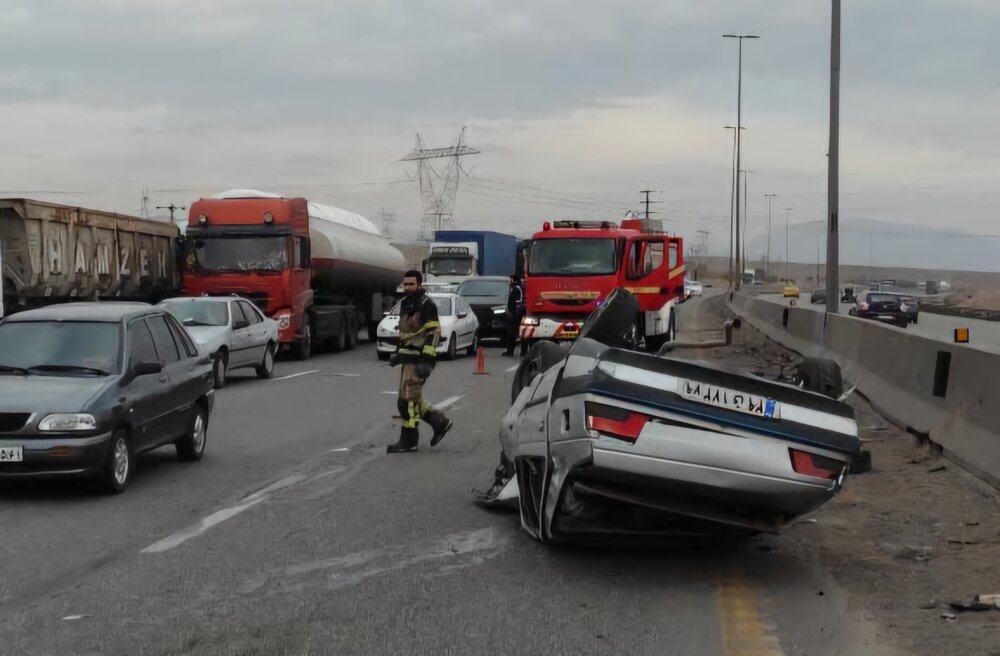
x,y
576,105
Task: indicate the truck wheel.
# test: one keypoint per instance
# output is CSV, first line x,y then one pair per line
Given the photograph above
x,y
352,335
372,331
305,345
821,376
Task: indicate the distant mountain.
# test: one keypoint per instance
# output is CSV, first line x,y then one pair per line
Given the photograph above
x,y
865,242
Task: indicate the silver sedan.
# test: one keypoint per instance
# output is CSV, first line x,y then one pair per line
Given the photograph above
x,y
232,330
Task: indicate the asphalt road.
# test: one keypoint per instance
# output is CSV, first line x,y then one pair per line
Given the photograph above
x,y
298,534
984,335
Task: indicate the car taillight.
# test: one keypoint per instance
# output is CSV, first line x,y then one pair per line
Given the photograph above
x,y
615,422
810,464
862,306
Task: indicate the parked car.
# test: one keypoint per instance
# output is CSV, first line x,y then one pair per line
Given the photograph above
x,y
86,387
603,440
791,291
232,330
881,307
818,297
459,328
487,296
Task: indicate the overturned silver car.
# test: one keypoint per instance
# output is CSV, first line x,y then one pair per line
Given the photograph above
x,y
602,439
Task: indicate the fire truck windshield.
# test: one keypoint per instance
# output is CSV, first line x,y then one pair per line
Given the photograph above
x,y
573,257
241,253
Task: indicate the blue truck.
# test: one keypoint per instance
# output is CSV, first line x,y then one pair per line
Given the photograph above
x,y
456,255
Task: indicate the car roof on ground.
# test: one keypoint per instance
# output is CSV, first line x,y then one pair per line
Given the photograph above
x,y
110,311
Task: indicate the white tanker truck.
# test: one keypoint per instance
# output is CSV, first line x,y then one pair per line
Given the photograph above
x,y
323,273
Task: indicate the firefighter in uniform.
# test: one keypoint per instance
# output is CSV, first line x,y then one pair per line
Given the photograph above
x,y
515,312
419,335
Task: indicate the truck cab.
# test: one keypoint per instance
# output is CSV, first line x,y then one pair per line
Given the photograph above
x,y
572,266
451,263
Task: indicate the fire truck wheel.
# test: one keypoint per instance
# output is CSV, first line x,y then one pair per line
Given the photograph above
x,y
304,350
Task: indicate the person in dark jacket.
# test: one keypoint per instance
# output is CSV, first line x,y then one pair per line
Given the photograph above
x,y
515,312
419,335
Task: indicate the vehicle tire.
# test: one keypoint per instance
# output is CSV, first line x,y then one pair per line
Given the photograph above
x,y
539,359
915,319
381,355
191,447
821,376
352,335
525,346
116,474
220,368
266,367
372,331
452,347
305,346
475,344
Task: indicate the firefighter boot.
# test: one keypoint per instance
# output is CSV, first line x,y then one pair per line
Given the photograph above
x,y
440,424
408,438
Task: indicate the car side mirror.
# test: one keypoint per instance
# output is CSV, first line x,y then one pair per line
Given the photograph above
x,y
240,325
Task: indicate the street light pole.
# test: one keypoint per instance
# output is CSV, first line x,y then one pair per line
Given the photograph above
x,y
732,208
739,140
788,213
769,198
833,169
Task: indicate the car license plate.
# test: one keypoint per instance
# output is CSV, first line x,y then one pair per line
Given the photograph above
x,y
11,454
729,399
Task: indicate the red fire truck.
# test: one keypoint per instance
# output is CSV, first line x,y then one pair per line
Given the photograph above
x,y
573,265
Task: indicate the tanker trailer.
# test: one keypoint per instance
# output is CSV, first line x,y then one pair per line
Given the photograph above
x,y
52,253
323,273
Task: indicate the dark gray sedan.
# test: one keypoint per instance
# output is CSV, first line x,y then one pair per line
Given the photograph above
x,y
85,387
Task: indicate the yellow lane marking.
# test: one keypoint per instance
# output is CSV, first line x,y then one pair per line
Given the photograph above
x,y
741,629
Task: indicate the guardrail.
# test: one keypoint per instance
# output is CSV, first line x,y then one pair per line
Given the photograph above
x,y
965,313
949,393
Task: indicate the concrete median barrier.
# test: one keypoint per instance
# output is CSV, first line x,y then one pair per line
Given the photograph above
x,y
949,393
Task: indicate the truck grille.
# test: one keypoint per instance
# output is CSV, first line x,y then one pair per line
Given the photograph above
x,y
11,422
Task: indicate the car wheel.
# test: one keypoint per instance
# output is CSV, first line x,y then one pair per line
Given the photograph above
x,y
382,355
821,376
191,447
266,367
116,474
352,335
304,351
474,346
452,347
542,356
220,368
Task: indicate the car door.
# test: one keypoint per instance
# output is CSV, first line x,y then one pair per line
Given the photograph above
x,y
194,374
148,395
257,332
466,323
177,405
239,326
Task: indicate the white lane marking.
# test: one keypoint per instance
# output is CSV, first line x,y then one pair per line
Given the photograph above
x,y
340,450
393,392
193,531
71,618
324,474
301,373
514,368
447,402
344,375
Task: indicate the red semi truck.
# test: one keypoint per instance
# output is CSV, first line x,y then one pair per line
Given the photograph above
x,y
323,273
571,266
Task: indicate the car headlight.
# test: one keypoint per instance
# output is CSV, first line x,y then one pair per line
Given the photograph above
x,y
284,319
67,422
530,321
500,309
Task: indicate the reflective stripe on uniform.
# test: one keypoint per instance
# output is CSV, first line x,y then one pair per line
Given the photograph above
x,y
430,350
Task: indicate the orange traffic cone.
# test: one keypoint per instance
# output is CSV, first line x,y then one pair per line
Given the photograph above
x,y
480,362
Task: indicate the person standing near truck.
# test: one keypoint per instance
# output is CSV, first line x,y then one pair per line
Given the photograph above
x,y
515,311
419,335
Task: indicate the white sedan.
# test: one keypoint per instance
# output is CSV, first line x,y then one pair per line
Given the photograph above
x,y
459,328
231,329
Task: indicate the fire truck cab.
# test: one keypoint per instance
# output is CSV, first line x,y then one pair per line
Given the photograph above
x,y
572,266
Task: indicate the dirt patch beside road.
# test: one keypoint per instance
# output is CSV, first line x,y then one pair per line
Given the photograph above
x,y
903,540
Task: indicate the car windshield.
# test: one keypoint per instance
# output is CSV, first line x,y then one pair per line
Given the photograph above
x,y
882,298
443,304
69,347
450,266
573,257
198,313
483,288
241,254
